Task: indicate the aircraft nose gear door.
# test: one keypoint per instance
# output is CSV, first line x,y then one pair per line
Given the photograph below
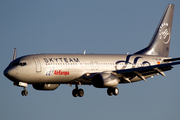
x,y
38,64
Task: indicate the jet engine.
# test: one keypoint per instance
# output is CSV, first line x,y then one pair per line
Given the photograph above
x,y
105,80
45,86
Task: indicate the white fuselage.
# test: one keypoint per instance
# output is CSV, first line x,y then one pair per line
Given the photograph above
x,y
66,68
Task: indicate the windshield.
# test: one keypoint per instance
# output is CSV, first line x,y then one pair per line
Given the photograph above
x,y
19,63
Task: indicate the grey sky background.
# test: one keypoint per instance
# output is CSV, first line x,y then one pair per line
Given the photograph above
x,y
99,26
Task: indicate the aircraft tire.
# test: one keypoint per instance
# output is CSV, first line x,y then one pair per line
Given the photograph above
x,y
80,92
109,91
24,93
115,91
75,92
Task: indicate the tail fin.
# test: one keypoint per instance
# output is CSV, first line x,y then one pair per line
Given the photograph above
x,y
160,42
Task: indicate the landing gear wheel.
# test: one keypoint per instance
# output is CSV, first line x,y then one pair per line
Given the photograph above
x,y
109,91
24,93
115,91
75,92
80,92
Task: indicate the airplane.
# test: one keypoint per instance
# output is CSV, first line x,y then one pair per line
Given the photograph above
x,y
48,71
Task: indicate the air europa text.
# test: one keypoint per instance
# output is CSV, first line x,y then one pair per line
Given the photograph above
x,y
59,72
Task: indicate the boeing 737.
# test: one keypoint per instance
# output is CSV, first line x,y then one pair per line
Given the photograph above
x,y
48,71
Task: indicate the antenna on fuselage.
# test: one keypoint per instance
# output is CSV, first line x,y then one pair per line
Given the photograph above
x,y
14,55
84,52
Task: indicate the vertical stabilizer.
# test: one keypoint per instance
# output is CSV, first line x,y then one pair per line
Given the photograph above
x,y
160,42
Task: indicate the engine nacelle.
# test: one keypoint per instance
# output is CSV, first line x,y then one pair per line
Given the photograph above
x,y
105,80
45,86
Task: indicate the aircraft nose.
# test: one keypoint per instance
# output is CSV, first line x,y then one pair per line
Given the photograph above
x,y
9,73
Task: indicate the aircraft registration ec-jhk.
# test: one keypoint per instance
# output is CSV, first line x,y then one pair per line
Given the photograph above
x,y
48,71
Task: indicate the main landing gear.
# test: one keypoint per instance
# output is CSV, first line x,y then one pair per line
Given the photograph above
x,y
113,91
80,92
77,92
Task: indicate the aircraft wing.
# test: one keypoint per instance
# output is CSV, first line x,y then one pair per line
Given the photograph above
x,y
128,74
142,72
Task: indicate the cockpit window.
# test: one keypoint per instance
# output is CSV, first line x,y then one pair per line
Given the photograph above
x,y
19,63
22,63
15,64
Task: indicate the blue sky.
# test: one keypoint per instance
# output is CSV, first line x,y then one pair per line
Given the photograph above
x,y
101,26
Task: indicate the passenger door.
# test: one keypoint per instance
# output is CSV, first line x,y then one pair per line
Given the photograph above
x,y
38,64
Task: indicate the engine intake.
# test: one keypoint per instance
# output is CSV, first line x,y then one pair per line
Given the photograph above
x,y
104,80
45,86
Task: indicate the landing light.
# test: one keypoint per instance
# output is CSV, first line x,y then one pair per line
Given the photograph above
x,y
87,74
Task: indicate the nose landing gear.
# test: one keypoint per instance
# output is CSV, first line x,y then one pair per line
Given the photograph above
x,y
24,92
24,85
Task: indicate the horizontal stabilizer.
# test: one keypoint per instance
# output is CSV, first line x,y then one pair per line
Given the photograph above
x,y
169,60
